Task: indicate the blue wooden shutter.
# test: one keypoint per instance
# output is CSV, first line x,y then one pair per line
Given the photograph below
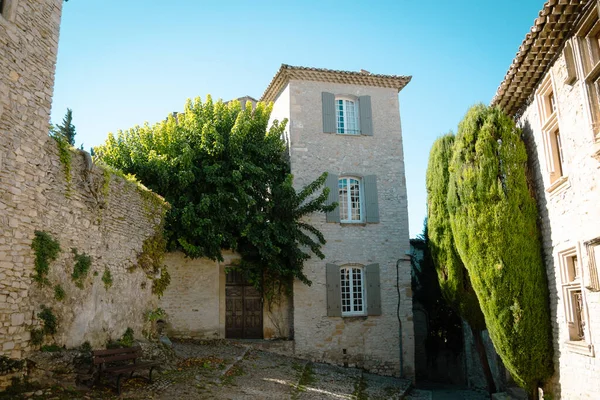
x,y
334,296
371,203
373,289
366,119
329,125
334,197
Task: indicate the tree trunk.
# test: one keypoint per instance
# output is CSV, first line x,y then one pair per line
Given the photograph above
x,y
487,371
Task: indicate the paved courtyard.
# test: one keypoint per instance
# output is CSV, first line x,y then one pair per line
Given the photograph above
x,y
226,370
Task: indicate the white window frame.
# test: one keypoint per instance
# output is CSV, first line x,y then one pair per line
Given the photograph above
x,y
347,202
571,276
357,304
345,115
553,147
587,50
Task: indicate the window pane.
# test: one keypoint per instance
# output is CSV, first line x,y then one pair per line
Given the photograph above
x,y
343,198
345,286
355,199
579,317
340,116
351,283
351,115
357,292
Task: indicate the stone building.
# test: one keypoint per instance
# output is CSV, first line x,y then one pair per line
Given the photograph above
x,y
57,190
348,124
358,310
552,89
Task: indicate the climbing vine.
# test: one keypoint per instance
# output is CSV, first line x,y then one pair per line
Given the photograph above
x,y
107,278
160,284
65,157
59,293
81,267
46,250
49,320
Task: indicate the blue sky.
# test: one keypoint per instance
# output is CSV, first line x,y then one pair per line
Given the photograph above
x,y
121,63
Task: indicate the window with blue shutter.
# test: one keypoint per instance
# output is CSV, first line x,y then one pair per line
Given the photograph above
x,y
347,115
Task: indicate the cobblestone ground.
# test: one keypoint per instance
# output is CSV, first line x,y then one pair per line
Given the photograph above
x,y
228,371
445,394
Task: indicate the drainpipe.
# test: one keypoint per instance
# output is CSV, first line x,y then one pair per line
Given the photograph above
x,y
409,257
398,315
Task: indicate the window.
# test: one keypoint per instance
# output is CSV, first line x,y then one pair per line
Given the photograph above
x,y
347,114
557,156
350,199
356,196
352,291
588,40
347,117
553,147
574,301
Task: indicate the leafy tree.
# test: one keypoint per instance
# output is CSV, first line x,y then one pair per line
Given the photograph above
x,y
494,224
225,174
453,277
67,129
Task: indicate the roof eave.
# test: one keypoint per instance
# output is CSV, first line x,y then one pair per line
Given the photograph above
x,y
287,73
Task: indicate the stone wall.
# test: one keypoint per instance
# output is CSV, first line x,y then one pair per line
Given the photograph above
x,y
569,217
195,301
99,214
369,342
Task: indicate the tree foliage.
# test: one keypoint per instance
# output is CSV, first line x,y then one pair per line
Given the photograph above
x,y
494,224
444,324
226,176
66,130
453,277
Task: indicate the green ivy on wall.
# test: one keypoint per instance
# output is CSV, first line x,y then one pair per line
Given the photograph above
x,y
46,250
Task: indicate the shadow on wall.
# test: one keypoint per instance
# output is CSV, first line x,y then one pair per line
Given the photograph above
x,y
535,182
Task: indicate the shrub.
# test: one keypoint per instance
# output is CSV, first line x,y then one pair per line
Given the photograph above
x,y
51,348
127,338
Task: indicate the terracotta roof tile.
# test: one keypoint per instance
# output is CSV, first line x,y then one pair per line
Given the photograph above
x,y
288,72
554,24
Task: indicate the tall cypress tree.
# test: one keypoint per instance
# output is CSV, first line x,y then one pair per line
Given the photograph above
x,y
494,225
453,277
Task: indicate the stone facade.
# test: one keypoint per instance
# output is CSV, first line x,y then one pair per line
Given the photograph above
x,y
95,212
195,301
370,342
570,215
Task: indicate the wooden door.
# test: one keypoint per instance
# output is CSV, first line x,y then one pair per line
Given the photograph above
x,y
243,310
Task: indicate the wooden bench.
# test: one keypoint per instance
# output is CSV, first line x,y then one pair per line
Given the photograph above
x,y
120,362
